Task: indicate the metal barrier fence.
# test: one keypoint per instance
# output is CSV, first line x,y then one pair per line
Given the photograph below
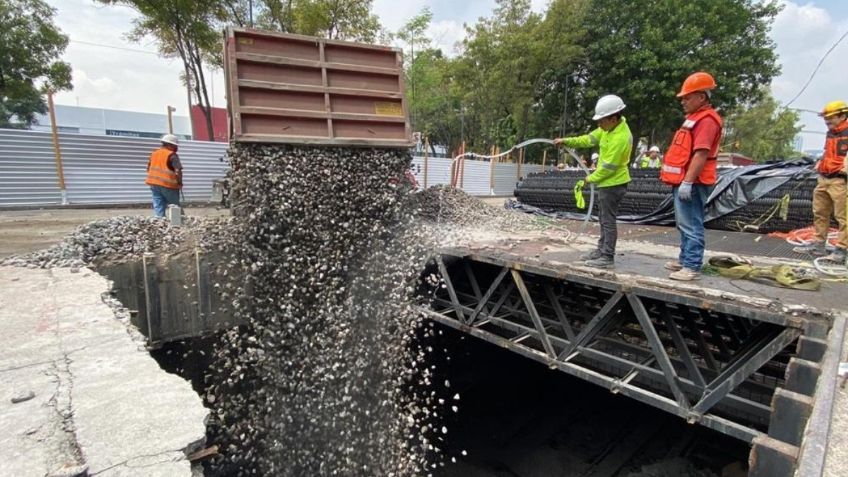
x,y
473,176
97,169
111,170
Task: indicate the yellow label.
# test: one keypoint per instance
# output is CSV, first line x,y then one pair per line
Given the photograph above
x,y
245,41
383,108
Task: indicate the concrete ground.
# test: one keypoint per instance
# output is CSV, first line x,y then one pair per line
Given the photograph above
x,y
79,388
23,231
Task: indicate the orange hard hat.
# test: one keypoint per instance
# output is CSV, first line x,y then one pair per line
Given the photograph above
x,y
699,81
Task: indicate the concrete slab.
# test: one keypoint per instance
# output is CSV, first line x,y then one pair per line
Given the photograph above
x,y
100,400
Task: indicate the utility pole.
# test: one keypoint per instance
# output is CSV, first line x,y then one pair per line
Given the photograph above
x,y
250,12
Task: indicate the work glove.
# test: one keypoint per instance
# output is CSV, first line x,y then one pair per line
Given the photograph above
x,y
685,191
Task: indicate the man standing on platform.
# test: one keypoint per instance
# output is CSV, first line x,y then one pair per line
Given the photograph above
x,y
830,194
689,167
614,142
165,175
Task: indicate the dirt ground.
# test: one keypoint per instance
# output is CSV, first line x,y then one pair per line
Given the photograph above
x,y
23,231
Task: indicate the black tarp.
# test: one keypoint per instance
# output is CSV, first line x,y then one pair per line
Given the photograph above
x,y
736,187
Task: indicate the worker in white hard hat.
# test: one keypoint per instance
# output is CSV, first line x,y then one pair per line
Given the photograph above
x,y
614,142
651,160
165,175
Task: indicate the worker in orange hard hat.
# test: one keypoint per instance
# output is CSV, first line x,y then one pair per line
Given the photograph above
x,y
830,194
689,167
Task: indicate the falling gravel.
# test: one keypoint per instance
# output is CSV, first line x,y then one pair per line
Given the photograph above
x,y
326,378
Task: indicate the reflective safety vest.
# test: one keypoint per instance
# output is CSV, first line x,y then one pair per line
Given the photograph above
x,y
835,150
645,162
158,172
676,160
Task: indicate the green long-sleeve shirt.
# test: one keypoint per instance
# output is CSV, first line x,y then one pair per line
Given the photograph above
x,y
614,148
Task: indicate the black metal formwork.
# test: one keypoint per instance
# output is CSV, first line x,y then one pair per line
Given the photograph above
x,y
710,361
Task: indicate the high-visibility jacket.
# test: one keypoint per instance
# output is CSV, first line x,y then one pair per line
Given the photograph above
x,y
614,148
676,160
835,150
158,172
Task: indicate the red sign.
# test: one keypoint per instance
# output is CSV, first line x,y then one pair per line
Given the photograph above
x,y
219,124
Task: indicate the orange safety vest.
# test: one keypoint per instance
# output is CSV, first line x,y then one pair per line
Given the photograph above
x,y
158,172
835,150
676,160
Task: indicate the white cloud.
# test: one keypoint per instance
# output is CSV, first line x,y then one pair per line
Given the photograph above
x,y
803,34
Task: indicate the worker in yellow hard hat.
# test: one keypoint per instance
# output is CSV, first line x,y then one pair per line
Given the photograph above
x,y
830,194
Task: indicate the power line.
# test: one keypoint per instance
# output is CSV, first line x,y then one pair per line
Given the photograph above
x,y
134,50
816,70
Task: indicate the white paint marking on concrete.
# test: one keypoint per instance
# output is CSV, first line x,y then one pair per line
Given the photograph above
x,y
100,399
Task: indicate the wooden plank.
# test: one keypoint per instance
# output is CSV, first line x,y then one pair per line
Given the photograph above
x,y
291,36
317,140
277,60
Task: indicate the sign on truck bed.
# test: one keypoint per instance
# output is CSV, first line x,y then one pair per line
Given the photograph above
x,y
295,89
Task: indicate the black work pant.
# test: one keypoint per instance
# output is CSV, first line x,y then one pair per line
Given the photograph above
x,y
609,199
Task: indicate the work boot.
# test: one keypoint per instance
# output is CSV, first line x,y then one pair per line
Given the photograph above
x,y
685,275
673,265
591,255
600,262
817,249
838,255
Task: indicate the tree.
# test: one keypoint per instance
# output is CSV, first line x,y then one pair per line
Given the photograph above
x,y
333,19
762,131
412,31
29,63
642,50
510,64
187,29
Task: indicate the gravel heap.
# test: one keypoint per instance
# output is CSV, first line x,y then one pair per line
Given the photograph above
x,y
115,239
327,378
443,204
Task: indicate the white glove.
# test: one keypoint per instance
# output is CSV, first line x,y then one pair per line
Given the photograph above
x,y
685,191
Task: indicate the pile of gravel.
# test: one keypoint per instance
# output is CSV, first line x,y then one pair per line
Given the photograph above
x,y
443,204
114,239
327,377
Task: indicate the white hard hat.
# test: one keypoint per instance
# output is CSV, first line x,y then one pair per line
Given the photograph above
x,y
607,106
654,149
171,139
595,156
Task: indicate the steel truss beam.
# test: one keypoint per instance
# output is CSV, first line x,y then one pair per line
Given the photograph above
x,y
711,366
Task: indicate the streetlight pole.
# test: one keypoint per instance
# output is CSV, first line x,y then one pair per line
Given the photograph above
x,y
171,110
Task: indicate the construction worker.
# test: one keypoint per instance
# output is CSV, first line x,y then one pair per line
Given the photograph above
x,y
165,175
830,194
689,167
651,160
614,142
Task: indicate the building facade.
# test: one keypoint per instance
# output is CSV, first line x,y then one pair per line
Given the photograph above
x,y
111,122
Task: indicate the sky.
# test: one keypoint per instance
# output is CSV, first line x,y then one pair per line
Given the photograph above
x,y
111,72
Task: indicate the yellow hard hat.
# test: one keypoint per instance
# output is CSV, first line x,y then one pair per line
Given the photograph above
x,y
834,107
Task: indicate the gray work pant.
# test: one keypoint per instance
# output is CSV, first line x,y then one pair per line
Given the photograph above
x,y
609,199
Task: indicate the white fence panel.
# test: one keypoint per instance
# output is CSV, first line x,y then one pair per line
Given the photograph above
x,y
98,169
27,169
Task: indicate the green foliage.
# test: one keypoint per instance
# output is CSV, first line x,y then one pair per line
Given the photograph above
x,y
334,19
29,63
509,62
642,50
762,131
